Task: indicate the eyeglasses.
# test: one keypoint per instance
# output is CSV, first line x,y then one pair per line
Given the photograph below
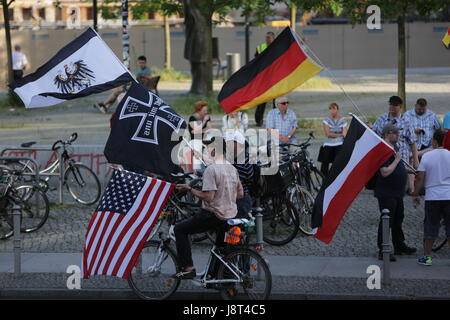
x,y
284,103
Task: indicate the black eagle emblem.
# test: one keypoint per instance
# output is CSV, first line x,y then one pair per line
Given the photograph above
x,y
75,77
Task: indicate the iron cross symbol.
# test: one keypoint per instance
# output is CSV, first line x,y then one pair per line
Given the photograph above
x,y
152,113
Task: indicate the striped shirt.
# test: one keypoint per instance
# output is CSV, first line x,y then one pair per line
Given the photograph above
x,y
245,171
428,122
336,126
407,135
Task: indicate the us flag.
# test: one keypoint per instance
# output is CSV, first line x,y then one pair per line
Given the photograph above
x,y
122,222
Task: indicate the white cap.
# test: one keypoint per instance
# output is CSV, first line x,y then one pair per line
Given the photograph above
x,y
235,136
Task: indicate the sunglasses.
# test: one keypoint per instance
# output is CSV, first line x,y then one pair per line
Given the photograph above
x,y
284,103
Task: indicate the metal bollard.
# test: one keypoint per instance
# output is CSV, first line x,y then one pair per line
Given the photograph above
x,y
386,245
233,63
17,213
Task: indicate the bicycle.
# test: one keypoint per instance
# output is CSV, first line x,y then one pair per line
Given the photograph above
x,y
81,182
31,200
305,171
281,220
236,271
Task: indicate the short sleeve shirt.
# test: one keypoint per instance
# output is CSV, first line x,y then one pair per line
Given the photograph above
x,y
394,185
436,165
224,179
283,125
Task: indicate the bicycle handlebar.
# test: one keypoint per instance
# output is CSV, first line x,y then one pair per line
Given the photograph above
x,y
72,138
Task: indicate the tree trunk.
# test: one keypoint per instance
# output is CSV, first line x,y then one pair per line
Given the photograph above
x,y
401,91
198,46
167,50
8,40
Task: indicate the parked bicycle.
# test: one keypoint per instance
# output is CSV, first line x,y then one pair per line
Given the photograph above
x,y
29,198
237,271
81,182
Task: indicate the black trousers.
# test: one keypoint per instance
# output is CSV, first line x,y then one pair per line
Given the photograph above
x,y
259,114
17,74
200,222
396,214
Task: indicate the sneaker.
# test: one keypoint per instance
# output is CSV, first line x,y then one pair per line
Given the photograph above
x,y
405,250
392,258
425,260
185,275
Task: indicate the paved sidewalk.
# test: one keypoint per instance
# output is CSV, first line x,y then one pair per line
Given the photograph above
x,y
294,277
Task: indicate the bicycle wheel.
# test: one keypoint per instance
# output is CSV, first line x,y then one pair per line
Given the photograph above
x,y
280,220
316,178
304,203
6,223
249,275
82,183
34,205
151,278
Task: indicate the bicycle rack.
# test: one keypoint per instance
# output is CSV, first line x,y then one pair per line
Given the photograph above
x,y
16,217
46,174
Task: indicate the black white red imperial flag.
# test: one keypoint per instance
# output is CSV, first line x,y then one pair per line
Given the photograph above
x,y
362,154
83,67
141,132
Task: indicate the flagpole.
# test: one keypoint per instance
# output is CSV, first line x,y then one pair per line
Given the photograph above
x,y
193,151
299,39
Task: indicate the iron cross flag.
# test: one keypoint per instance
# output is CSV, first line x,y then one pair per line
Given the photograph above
x,y
142,132
83,67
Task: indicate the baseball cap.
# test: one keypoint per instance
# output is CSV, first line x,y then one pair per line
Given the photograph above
x,y
390,128
235,136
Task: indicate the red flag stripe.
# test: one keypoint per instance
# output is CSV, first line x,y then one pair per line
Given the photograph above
x,y
127,242
350,189
106,225
125,270
266,79
129,220
112,232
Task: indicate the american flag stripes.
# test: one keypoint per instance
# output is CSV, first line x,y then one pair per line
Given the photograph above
x,y
122,222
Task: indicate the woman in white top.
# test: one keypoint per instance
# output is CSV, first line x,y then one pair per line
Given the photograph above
x,y
335,128
235,121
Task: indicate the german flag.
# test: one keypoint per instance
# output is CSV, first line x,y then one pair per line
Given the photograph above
x,y
279,69
446,39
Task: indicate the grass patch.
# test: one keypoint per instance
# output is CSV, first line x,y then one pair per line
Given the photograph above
x,y
170,74
185,104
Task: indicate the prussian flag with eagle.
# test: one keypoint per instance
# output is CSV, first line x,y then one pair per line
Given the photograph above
x,y
279,69
83,67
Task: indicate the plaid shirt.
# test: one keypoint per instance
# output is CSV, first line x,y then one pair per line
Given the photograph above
x,y
428,122
284,126
407,135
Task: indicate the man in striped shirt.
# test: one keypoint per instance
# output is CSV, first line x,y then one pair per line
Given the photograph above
x,y
238,155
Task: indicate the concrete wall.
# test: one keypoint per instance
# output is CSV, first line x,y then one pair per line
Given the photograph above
x,y
338,46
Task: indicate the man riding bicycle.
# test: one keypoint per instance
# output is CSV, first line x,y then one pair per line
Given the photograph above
x,y
221,189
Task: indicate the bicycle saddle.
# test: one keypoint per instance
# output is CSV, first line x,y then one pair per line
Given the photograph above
x,y
27,144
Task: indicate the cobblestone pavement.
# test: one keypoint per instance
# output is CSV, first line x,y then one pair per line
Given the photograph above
x,y
66,227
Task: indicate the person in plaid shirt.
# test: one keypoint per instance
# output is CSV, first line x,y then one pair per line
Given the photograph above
x,y
425,123
407,143
284,120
